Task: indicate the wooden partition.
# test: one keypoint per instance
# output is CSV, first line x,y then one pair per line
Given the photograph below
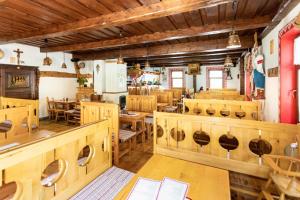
x,y
177,92
12,102
250,110
26,163
141,103
163,96
220,96
15,122
94,111
199,139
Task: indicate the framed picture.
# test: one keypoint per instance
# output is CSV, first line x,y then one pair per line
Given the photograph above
x,y
17,81
193,69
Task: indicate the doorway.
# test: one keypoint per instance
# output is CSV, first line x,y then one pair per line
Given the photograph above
x,y
288,75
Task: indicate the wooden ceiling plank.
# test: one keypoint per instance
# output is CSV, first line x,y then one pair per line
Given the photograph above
x,y
224,27
129,16
200,46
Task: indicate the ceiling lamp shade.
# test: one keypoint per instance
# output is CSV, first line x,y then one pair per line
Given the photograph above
x,y
234,41
47,61
147,64
120,60
228,62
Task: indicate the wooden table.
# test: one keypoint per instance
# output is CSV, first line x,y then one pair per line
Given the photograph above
x,y
206,182
134,120
160,106
66,104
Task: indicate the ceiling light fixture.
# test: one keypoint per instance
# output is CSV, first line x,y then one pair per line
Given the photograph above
x,y
47,60
147,63
228,62
234,39
64,65
120,58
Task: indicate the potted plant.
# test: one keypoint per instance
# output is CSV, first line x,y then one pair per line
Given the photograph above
x,y
81,81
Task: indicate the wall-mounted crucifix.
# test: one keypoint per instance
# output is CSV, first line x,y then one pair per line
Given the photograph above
x,y
18,55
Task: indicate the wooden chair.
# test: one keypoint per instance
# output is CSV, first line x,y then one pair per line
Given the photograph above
x,y
126,136
284,174
59,112
50,108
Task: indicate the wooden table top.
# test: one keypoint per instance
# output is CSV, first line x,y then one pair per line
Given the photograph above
x,y
204,182
65,102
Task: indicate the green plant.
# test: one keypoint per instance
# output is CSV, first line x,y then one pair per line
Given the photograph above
x,y
82,80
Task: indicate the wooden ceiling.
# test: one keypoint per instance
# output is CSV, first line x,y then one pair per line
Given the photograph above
x,y
193,30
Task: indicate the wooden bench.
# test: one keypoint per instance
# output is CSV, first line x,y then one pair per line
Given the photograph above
x,y
226,143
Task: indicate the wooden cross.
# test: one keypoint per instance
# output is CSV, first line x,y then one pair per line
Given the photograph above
x,y
18,55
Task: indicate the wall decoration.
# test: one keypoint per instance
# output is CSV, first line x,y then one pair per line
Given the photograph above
x,y
18,51
17,81
194,69
273,72
1,54
271,47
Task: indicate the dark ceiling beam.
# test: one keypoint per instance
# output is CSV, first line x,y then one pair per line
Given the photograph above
x,y
223,27
186,60
212,45
196,56
129,16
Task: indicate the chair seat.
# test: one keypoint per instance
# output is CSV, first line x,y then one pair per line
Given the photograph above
x,y
125,135
170,108
282,181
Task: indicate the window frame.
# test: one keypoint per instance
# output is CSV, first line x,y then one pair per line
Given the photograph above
x,y
171,77
224,78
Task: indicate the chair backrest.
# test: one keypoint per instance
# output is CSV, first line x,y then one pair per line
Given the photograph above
x,y
50,104
284,165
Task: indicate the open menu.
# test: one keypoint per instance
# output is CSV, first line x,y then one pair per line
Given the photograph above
x,y
168,189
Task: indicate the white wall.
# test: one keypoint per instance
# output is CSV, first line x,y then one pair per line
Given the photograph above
x,y
52,87
271,110
201,79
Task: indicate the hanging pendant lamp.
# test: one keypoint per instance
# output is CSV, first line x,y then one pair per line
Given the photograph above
x,y
47,61
228,62
64,65
120,58
234,41
147,63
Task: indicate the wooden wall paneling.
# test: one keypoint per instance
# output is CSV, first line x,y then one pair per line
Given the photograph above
x,y
163,96
94,111
241,159
220,96
13,102
141,103
25,164
252,109
21,122
25,92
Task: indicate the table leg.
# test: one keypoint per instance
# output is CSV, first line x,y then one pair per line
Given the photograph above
x,y
134,128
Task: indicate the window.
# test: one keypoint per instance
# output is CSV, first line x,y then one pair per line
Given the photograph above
x,y
296,51
177,79
215,79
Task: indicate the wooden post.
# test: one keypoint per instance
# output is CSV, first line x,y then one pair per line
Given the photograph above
x,y
195,82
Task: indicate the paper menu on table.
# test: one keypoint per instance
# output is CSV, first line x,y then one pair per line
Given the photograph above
x,y
168,189
171,189
145,189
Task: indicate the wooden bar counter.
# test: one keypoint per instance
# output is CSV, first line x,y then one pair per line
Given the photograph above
x,y
204,182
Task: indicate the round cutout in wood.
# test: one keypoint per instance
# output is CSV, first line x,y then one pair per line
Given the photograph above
x,y
85,156
254,115
159,131
260,146
210,111
224,112
177,135
8,190
240,114
201,138
228,142
187,109
53,173
197,111
5,126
